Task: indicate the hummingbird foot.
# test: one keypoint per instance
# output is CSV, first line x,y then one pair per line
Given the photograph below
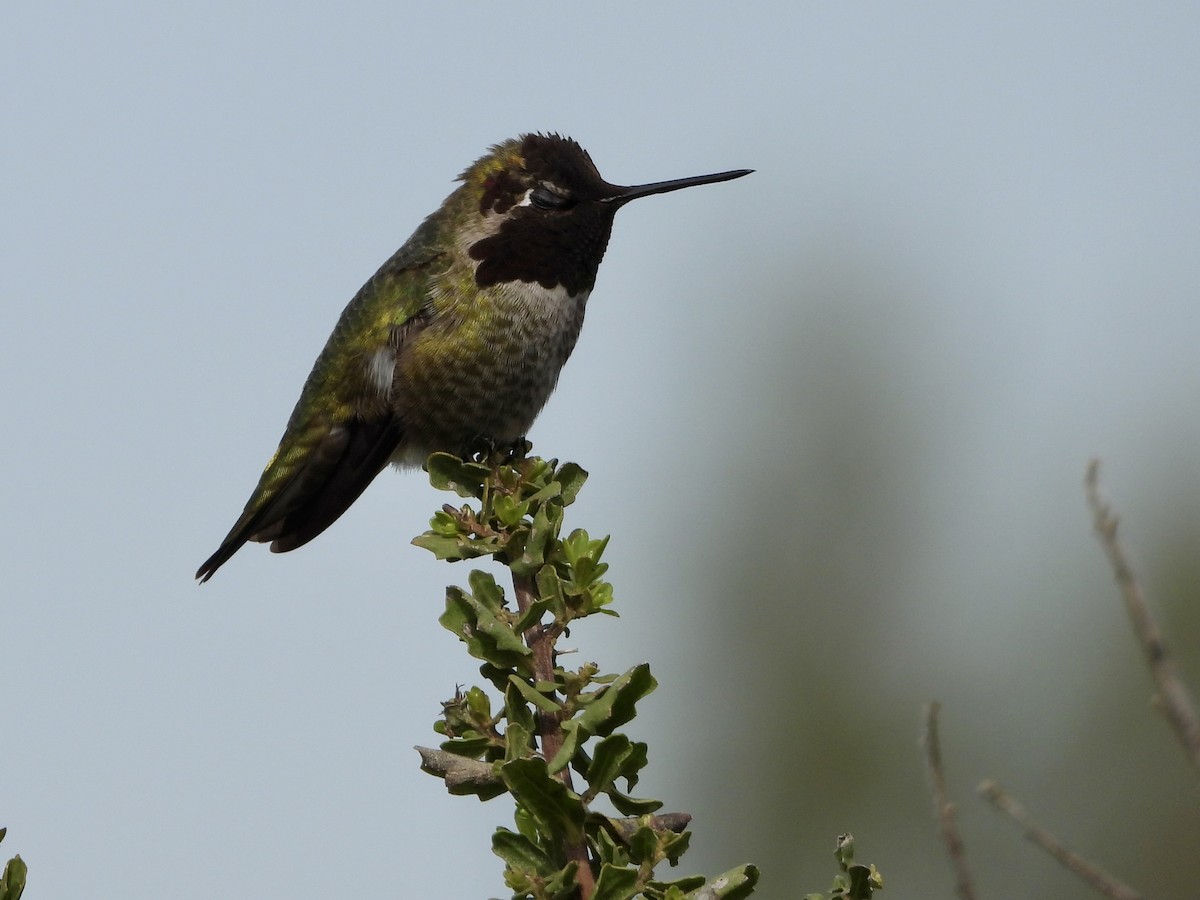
x,y
519,449
490,452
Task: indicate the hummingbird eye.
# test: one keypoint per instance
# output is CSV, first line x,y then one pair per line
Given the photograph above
x,y
544,198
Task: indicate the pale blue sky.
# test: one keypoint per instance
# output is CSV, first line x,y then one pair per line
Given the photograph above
x,y
984,221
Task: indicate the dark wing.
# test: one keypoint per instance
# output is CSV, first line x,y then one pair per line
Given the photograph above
x,y
317,493
342,431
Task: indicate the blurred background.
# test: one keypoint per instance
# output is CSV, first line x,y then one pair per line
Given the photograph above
x,y
836,415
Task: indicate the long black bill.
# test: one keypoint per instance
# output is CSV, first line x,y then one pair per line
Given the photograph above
x,y
624,195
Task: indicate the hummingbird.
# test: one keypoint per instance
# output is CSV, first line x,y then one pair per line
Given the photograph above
x,y
456,343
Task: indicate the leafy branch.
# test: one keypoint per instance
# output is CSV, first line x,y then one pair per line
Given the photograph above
x,y
544,733
554,726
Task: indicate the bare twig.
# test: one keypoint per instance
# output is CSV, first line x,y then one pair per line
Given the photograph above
x,y
540,640
1095,876
1172,695
457,770
943,808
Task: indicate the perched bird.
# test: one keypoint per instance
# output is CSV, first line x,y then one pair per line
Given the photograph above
x,y
455,343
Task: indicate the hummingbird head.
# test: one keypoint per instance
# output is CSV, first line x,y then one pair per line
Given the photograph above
x,y
547,213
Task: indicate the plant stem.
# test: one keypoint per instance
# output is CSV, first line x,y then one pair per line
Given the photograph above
x,y
1095,876
943,807
1173,695
540,640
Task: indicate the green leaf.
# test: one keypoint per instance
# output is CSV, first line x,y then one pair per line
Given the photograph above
x,y
508,510
445,524
601,595
614,705
535,470
536,697
515,709
472,745
545,493
449,473
732,885
632,806
486,590
499,676
674,845
517,741
615,884
442,546
570,744
521,853
610,756
571,477
550,589
533,555
526,824
12,882
487,636
608,849
533,615
634,763
459,618
575,546
559,812
479,704
675,890
643,846
587,567
562,884
507,643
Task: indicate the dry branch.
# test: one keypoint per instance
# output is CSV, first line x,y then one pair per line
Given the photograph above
x,y
1172,694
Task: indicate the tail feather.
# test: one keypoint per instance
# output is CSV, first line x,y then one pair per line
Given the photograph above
x,y
320,491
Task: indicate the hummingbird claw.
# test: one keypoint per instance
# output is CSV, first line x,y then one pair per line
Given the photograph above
x,y
519,449
480,450
490,452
